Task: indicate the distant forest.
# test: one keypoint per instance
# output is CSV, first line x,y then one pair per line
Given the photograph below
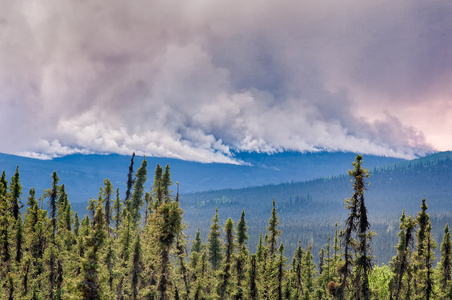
x,y
312,244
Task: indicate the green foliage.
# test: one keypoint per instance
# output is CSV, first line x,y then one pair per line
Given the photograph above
x,y
272,231
138,190
379,279
56,256
424,256
445,269
401,264
15,194
214,244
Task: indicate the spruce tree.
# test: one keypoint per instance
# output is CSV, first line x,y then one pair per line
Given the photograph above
x,y
36,235
213,243
137,268
168,226
117,206
76,224
242,254
424,255
138,190
196,250
364,236
4,183
107,193
225,276
182,267
166,183
273,232
130,179
279,274
15,194
308,273
110,264
52,194
260,249
401,263
445,271
19,231
158,186
252,278
356,223
5,234
89,285
295,277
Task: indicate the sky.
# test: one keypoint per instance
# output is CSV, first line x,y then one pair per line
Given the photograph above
x,y
200,80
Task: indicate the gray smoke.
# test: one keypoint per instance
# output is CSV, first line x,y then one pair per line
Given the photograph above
x,y
198,79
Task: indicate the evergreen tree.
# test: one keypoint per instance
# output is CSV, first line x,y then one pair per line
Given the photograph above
x,y
117,206
308,273
91,207
182,266
356,223
4,183
225,276
126,234
214,244
336,245
401,263
138,190
36,235
363,260
5,234
107,193
252,278
89,285
19,230
52,194
196,250
166,183
260,249
158,186
137,268
110,264
130,179
272,231
240,263
149,206
168,226
445,275
15,194
424,255
76,224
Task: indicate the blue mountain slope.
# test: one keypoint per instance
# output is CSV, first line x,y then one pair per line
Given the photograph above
x,y
84,174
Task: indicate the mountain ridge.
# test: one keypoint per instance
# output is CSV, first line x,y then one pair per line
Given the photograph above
x,y
84,174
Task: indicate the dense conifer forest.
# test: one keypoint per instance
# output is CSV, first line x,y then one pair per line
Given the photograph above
x,y
133,244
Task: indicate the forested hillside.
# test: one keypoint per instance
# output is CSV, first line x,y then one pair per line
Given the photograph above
x,y
135,247
309,209
86,172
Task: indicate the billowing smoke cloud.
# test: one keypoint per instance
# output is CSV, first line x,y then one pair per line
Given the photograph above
x,y
200,79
